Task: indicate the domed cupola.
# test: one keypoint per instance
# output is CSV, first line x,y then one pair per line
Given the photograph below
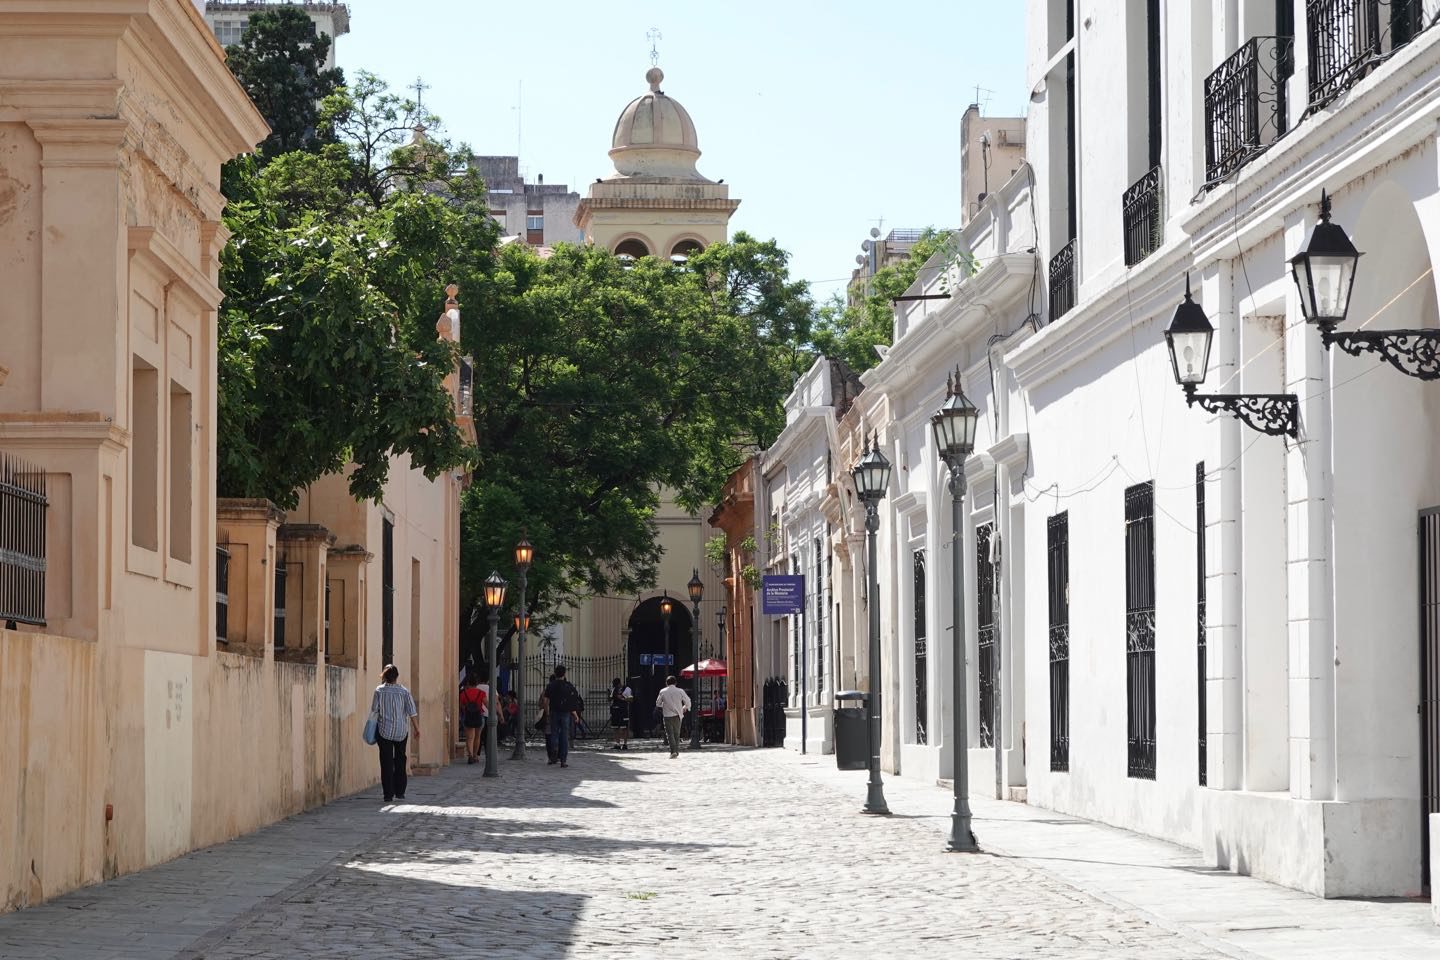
x,y
655,137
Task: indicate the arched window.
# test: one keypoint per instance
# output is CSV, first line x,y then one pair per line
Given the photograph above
x,y
686,249
633,248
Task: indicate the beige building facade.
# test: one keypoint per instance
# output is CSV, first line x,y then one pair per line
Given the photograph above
x,y
157,704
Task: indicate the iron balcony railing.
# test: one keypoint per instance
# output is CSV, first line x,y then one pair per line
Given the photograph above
x,y
1062,282
22,542
222,595
1348,38
1245,105
1140,208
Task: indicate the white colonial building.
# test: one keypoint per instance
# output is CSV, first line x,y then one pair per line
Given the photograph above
x,y
1224,633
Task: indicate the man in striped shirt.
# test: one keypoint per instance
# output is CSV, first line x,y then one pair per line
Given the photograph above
x,y
397,719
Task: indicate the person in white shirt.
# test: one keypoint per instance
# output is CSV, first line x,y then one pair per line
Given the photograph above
x,y
673,703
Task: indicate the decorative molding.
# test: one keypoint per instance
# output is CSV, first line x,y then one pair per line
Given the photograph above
x,y
56,99
80,142
907,503
1013,450
150,243
37,430
979,468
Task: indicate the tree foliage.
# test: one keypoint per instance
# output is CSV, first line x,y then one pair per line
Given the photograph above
x,y
328,352
851,331
280,61
602,382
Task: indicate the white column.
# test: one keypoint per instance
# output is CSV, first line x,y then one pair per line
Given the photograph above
x,y
1311,605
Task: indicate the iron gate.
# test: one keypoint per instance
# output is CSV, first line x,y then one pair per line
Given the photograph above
x,y
1429,681
590,675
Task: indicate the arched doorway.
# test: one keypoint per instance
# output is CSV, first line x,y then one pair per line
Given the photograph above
x,y
647,638
632,247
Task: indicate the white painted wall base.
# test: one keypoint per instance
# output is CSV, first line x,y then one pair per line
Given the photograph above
x,y
1435,866
923,762
819,737
1325,848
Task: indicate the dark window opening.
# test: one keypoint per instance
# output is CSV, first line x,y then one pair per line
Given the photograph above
x,y
1058,554
985,625
922,658
1200,613
1140,629
387,592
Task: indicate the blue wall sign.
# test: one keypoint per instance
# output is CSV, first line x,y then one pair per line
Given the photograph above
x,y
782,593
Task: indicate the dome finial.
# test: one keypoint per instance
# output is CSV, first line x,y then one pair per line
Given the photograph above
x,y
653,76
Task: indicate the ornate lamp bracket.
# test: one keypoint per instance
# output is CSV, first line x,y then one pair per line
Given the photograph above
x,y
1415,353
1273,414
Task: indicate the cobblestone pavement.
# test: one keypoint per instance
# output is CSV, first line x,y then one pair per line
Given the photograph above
x,y
620,855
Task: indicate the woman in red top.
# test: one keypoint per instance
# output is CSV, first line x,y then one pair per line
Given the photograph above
x,y
472,715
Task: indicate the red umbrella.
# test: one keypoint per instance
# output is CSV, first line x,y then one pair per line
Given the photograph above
x,y
708,668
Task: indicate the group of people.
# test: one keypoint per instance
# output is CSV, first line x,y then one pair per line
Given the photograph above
x,y
396,719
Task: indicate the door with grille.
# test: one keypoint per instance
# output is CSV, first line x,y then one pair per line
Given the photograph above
x,y
1429,681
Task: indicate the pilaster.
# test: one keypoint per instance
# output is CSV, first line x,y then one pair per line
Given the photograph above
x,y
247,529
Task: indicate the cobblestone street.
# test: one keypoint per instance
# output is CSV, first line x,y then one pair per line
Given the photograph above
x,y
751,853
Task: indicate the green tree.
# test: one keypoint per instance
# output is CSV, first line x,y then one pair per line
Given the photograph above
x,y
602,382
328,356
852,331
280,61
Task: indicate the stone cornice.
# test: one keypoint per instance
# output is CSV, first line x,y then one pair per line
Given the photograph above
x,y
305,533
151,243
80,142
44,430
76,99
979,468
350,552
248,508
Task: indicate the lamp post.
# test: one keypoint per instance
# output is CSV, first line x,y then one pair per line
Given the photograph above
x,y
666,606
872,476
696,587
494,599
954,426
725,654
1188,338
524,556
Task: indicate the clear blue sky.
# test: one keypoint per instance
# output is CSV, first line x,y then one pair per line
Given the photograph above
x,y
822,115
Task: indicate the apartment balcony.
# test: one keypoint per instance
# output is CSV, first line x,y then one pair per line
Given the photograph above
x,y
1245,105
1349,38
1062,282
1140,211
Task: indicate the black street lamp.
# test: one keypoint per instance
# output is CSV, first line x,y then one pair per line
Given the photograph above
x,y
494,600
666,606
954,425
1325,275
524,556
1188,338
872,477
696,587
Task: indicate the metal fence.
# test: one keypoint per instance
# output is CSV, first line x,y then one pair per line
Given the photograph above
x,y
590,675
23,505
1058,549
985,632
280,605
775,695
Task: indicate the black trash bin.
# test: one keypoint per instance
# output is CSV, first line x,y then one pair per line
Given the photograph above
x,y
851,746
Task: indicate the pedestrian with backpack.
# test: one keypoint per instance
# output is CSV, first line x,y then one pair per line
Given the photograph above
x,y
559,703
472,714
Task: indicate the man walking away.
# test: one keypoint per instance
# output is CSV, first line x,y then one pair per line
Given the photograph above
x,y
559,703
673,703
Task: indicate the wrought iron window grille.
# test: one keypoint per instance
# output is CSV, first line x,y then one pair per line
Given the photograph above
x,y
1274,414
1141,210
280,576
1062,281
1140,630
985,629
222,595
1058,550
1246,109
1347,39
465,399
1200,639
922,683
23,505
